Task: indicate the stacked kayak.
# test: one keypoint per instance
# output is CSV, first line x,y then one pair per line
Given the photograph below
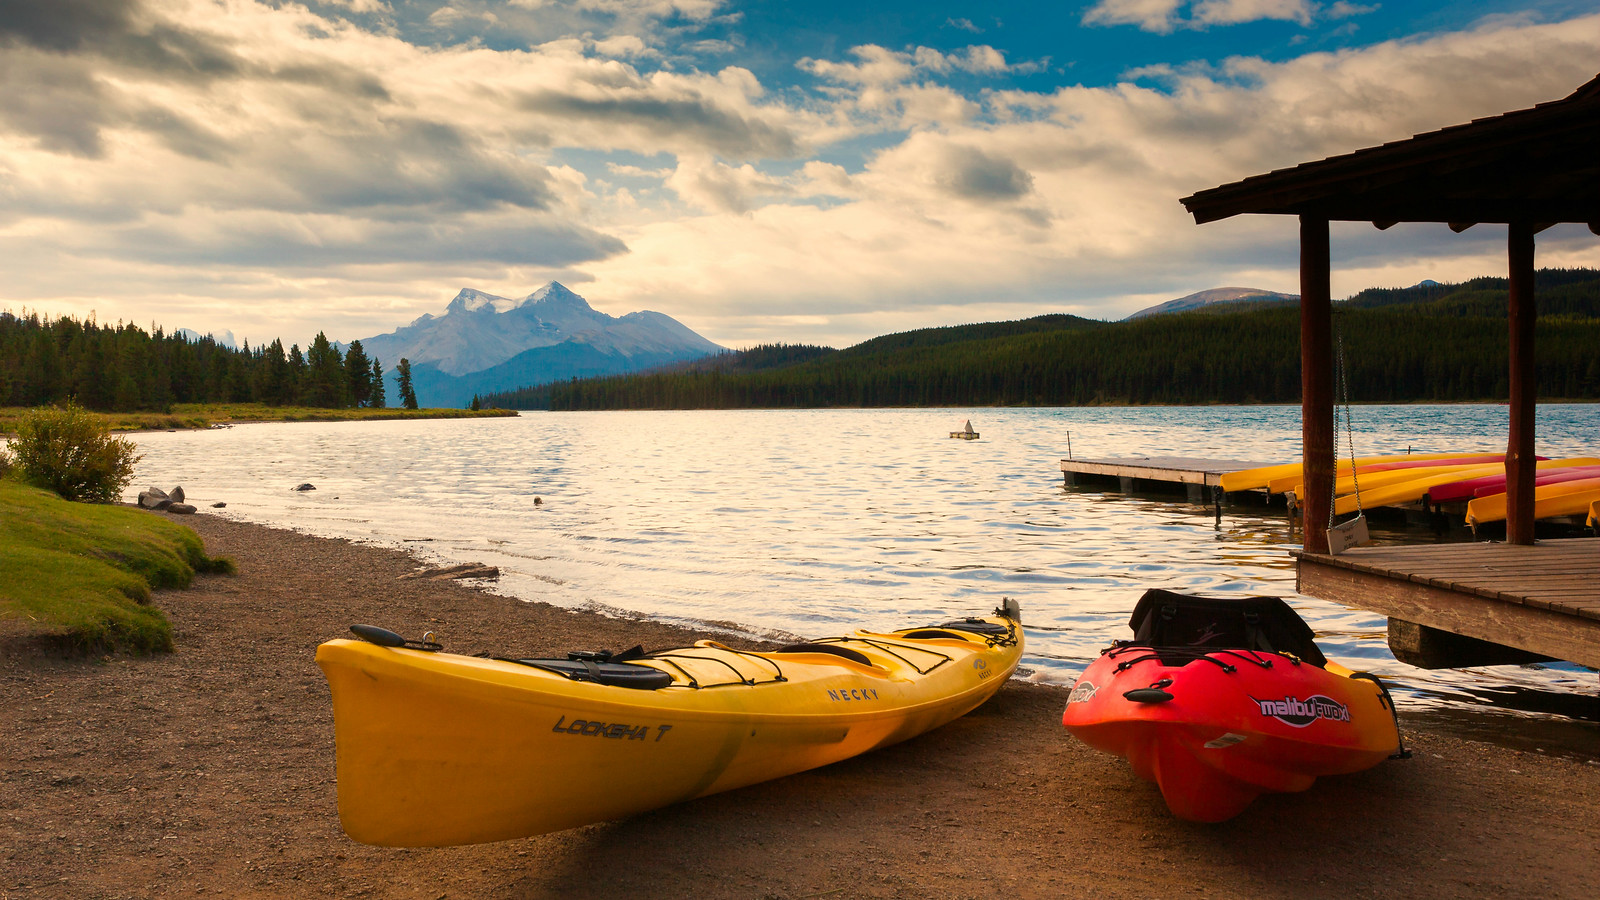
x,y
1285,476
1563,487
1421,487
1571,497
1219,699
436,749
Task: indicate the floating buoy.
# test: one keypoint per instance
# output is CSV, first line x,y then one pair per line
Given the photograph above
x,y
966,434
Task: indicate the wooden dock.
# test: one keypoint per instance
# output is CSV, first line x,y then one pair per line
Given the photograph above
x,y
1452,605
1164,470
1200,479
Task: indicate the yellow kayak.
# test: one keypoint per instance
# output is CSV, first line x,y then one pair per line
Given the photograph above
x,y
1373,480
1254,479
1594,513
1567,498
1408,491
436,749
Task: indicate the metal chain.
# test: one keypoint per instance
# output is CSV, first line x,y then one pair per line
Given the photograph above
x,y
1349,428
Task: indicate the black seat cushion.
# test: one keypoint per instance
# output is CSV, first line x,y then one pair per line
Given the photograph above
x,y
976,626
1164,619
835,649
614,674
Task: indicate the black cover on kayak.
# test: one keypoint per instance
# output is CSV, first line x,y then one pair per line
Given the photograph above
x,y
1164,619
609,673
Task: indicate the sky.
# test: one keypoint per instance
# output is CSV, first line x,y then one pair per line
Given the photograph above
x,y
763,171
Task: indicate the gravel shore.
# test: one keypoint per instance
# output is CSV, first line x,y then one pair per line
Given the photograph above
x,y
210,771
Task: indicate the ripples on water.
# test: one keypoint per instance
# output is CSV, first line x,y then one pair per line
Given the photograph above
x,y
812,522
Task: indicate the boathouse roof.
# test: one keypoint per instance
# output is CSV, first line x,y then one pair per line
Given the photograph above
x,y
1537,166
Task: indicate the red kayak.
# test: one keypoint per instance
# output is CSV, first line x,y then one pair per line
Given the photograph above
x,y
1559,476
1219,699
1496,484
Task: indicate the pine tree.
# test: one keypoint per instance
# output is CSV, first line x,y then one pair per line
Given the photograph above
x,y
474,405
273,376
378,400
326,384
296,385
408,396
358,369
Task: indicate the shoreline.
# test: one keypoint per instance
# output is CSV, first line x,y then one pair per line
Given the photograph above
x,y
207,416
210,771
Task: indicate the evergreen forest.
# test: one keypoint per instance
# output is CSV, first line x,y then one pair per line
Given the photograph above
x,y
1433,342
124,368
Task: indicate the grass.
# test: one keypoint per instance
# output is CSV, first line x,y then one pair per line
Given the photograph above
x,y
204,415
81,573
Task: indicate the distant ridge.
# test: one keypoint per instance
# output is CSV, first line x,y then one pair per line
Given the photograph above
x,y
1213,297
221,339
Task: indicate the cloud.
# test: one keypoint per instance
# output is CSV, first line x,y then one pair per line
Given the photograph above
x,y
1344,10
359,6
636,171
1165,16
953,170
63,25
962,24
1237,12
717,187
249,165
882,67
1149,15
666,111
1072,204
624,46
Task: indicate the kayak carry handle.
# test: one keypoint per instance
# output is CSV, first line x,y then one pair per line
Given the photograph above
x,y
383,637
1147,695
1151,694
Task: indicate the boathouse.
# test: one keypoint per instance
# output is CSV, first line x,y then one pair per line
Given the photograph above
x,y
1527,170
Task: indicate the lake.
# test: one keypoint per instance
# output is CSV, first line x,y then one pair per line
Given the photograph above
x,y
778,523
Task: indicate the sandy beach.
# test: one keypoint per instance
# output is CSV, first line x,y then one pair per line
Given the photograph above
x,y
210,771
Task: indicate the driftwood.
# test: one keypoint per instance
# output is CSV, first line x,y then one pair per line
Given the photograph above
x,y
464,570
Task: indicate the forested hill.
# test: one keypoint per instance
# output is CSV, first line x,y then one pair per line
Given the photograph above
x,y
1442,342
1557,292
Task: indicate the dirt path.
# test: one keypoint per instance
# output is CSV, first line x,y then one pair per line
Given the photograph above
x,y
210,772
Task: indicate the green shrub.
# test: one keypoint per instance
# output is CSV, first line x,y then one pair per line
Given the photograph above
x,y
66,450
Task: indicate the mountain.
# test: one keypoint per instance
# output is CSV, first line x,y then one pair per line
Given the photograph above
x,y
225,339
1242,296
484,343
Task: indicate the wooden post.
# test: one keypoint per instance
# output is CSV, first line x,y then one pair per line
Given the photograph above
x,y
1524,387
1316,380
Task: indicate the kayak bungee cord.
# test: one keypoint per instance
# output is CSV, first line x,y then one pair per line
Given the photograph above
x,y
1191,655
694,684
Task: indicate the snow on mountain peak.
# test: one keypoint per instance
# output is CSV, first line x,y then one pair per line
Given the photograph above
x,y
554,292
470,300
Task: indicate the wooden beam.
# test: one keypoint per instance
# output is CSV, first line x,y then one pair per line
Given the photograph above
x,y
1535,630
1524,388
1431,648
1316,380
